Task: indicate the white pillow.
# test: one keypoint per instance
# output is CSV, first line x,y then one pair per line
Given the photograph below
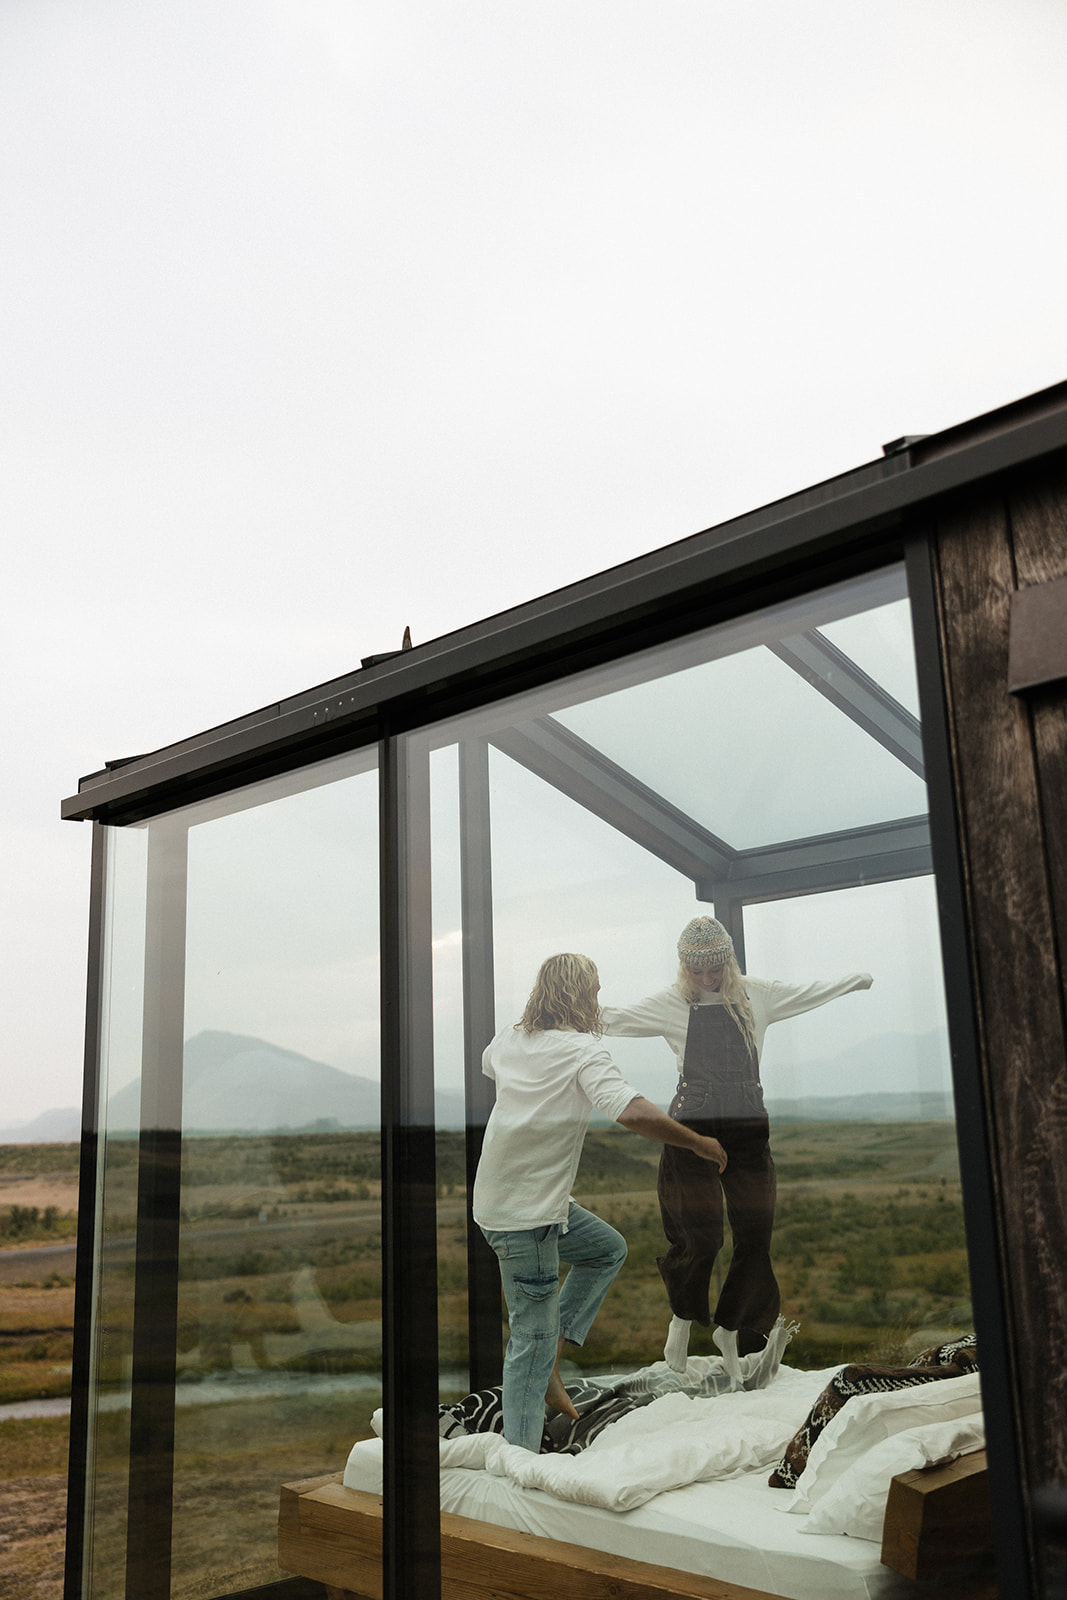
x,y
856,1503
866,1419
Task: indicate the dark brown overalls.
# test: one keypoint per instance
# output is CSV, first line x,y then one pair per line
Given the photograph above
x,y
719,1094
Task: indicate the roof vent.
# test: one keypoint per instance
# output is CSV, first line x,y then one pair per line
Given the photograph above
x,y
387,655
896,447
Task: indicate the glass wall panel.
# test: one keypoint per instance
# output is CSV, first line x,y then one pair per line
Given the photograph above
x,y
767,774
260,1016
111,1356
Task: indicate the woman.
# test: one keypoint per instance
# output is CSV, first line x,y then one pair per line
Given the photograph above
x,y
714,1019
550,1071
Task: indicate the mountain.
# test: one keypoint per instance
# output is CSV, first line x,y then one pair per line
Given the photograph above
x,y
238,1084
916,1065
62,1126
862,1108
893,1076
235,1083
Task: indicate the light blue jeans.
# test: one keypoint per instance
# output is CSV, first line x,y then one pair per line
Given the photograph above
x,y
540,1312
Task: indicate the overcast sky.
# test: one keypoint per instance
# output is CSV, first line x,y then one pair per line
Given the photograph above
x,y
323,317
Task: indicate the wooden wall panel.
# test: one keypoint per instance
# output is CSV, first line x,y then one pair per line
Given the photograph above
x,y
1039,527
1010,769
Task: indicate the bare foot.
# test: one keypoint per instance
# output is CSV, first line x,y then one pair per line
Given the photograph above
x,y
557,1397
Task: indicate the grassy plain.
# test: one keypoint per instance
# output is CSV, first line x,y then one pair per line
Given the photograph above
x,y
279,1307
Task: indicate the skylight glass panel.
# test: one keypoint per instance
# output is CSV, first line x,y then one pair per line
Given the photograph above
x,y
880,642
750,750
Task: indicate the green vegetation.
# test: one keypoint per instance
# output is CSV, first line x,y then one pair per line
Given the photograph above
x,y
33,1446
37,1160
22,1224
281,1248
869,1243
280,1272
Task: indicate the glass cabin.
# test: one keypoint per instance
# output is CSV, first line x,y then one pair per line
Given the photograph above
x,y
832,726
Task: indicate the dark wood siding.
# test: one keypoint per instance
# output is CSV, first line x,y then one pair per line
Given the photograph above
x,y
1009,757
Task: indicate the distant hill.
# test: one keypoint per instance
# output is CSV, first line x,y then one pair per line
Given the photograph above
x,y
235,1083
238,1084
916,1107
62,1126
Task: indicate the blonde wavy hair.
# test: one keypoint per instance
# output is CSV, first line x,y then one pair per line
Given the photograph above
x,y
564,996
734,997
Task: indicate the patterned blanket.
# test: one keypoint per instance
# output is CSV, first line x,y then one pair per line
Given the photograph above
x,y
942,1361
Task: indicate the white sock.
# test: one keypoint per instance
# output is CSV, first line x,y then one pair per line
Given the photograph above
x,y
676,1350
726,1339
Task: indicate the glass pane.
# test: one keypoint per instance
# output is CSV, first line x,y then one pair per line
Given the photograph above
x,y
749,774
879,641
264,952
864,1133
448,1047
838,776
116,1215
279,1312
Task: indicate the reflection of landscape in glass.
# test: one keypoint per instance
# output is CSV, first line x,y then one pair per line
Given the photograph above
x,y
603,831
868,1242
781,782
279,1336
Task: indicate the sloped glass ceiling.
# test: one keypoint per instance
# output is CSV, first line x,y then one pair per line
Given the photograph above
x,y
756,754
879,641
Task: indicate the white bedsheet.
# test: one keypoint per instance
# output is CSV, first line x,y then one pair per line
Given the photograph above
x,y
680,1482
672,1442
732,1529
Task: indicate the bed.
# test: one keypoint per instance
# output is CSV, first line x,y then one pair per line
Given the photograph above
x,y
674,1500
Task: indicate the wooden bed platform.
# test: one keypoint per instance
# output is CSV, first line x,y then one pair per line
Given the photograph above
x,y
934,1519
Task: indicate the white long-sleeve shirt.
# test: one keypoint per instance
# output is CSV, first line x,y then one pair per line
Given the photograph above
x,y
666,1014
547,1085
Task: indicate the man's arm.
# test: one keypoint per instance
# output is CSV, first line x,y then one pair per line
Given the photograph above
x,y
642,1117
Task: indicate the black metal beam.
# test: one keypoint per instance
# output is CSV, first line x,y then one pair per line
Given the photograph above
x,y
850,524
545,747
843,860
411,1548
78,1485
155,1312
860,697
484,1321
730,911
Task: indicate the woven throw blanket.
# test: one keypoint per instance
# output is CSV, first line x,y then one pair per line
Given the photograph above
x,y
951,1360
596,1407
607,1398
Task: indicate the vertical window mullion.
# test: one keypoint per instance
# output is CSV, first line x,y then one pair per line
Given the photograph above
x,y
411,1552
78,1468
155,1315
479,1025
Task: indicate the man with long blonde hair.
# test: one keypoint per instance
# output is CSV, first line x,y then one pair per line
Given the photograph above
x,y
714,1018
550,1071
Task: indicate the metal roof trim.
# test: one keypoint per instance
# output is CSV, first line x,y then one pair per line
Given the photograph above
x,y
875,495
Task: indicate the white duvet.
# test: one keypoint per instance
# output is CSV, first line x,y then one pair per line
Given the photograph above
x,y
673,1441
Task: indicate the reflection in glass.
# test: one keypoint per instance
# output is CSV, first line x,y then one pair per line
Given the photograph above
x,y
122,1007
769,774
266,997
279,1314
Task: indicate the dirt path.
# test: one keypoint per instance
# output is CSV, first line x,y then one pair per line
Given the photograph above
x,y
35,1261
33,1518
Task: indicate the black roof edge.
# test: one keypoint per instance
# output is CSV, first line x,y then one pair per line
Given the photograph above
x,y
871,499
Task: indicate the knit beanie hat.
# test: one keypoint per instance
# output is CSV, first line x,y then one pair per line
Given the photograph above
x,y
704,943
